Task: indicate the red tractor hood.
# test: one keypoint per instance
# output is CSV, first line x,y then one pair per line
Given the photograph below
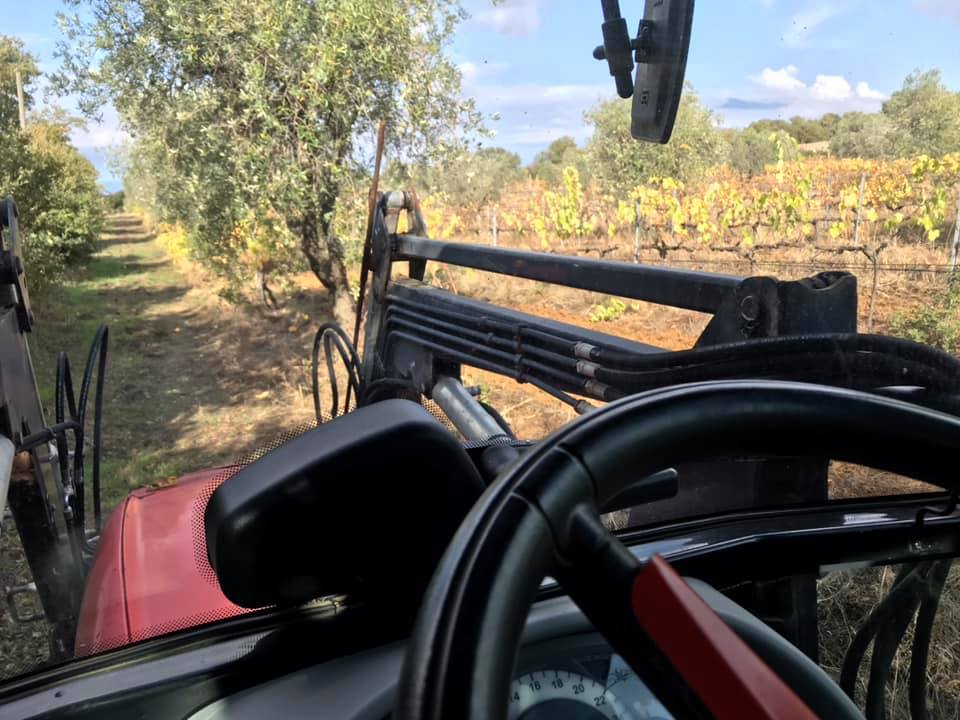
x,y
150,575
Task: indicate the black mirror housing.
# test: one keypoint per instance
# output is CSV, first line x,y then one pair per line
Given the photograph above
x,y
663,45
341,509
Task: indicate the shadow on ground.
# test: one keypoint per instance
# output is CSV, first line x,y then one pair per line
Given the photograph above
x,y
192,380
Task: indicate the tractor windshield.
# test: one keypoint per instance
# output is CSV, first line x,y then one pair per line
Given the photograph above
x,y
282,211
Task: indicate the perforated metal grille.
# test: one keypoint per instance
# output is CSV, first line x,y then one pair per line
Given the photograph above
x,y
203,497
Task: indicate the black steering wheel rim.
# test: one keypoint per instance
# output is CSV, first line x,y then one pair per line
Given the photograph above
x,y
541,518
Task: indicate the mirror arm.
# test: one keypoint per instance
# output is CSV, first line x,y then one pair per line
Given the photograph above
x,y
617,48
620,50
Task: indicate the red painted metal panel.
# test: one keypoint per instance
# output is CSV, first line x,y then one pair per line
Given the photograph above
x,y
151,576
103,616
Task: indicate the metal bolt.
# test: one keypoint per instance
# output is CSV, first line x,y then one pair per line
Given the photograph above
x,y
750,308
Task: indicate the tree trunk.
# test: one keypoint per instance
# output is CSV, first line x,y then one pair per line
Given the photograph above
x,y
324,253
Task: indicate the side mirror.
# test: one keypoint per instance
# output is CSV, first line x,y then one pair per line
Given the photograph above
x,y
660,52
364,504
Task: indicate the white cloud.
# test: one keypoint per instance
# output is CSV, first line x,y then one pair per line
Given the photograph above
x,y
830,87
100,135
782,79
782,93
949,9
468,70
516,18
532,115
471,71
804,23
865,92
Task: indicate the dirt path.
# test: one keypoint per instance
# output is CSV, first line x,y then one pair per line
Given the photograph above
x,y
192,380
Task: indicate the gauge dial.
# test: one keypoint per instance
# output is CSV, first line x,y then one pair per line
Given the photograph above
x,y
560,694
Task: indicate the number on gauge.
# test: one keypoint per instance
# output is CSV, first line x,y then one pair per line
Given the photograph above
x,y
564,695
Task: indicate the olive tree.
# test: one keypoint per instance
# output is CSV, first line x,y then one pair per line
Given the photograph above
x,y
926,115
262,107
562,153
620,164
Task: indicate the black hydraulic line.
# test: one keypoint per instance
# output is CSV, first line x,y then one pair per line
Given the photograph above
x,y
64,389
888,637
519,331
509,359
861,370
922,633
855,370
98,432
331,335
757,348
64,396
474,361
864,362
517,346
64,401
903,585
98,355
325,339
763,347
936,369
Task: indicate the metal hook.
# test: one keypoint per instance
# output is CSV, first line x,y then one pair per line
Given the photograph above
x,y
950,508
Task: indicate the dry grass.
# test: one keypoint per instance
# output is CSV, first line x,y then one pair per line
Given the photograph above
x,y
847,598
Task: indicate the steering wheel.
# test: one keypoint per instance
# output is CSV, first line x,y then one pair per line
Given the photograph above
x,y
540,518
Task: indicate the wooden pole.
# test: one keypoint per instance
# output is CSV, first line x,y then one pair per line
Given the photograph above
x,y
20,102
636,234
955,245
856,226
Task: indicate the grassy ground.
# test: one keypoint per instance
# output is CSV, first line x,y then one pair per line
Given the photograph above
x,y
192,381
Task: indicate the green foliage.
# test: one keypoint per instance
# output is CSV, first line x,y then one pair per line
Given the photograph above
x,y
612,309
562,153
618,163
926,116
113,202
864,135
751,150
803,130
934,323
55,187
267,106
56,192
14,58
468,179
567,208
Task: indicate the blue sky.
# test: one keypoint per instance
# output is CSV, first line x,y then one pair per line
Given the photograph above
x,y
528,62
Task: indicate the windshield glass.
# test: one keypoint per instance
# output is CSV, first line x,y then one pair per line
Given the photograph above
x,y
198,177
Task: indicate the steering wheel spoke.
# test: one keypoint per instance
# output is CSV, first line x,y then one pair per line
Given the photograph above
x,y
600,579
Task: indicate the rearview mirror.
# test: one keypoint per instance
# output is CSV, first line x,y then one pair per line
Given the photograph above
x,y
660,51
